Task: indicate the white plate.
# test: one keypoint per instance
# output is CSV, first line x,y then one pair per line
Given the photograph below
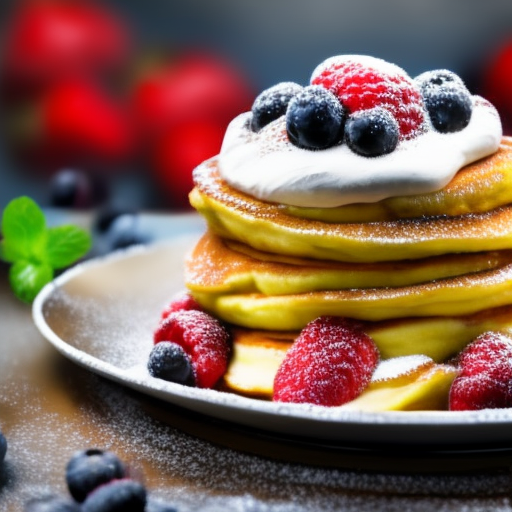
x,y
101,315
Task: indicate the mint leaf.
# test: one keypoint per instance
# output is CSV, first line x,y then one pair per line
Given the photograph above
x,y
24,231
65,245
27,279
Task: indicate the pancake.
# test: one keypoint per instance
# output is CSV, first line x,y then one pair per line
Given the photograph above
x,y
460,295
220,266
267,227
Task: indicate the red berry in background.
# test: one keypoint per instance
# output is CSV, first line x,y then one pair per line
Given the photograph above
x,y
182,109
48,40
76,122
485,378
330,363
191,86
497,83
203,338
179,150
362,82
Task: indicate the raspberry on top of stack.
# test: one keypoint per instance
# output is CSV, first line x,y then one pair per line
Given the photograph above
x,y
359,239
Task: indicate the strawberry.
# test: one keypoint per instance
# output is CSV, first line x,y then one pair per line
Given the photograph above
x,y
48,41
485,378
363,83
203,338
181,301
180,149
497,83
329,364
76,122
182,109
192,86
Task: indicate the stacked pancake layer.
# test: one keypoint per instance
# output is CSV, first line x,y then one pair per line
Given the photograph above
x,y
426,272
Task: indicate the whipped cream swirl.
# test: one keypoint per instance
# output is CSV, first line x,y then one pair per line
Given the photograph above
x,y
266,165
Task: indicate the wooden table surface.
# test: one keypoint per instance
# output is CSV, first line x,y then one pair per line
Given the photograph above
x,y
50,407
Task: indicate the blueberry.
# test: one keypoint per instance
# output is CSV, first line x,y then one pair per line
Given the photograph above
x,y
70,188
51,504
3,447
88,469
106,216
372,132
315,118
117,496
168,361
124,231
447,100
271,104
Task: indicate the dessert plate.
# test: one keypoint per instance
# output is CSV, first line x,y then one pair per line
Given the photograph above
x,y
101,315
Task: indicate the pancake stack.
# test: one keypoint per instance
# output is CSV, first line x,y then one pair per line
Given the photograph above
x,y
425,273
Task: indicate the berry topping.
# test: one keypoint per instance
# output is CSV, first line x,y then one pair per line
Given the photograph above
x,y
447,100
371,132
330,363
362,82
203,338
168,361
272,103
117,496
89,469
485,378
315,119
181,301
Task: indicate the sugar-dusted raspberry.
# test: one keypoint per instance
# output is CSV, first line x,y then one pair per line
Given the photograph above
x,y
362,82
203,338
181,301
330,363
485,378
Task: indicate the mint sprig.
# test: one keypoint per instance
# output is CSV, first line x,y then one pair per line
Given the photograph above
x,y
34,250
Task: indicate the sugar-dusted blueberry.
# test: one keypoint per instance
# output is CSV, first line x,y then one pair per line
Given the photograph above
x,y
315,118
88,469
372,132
3,447
117,496
271,104
447,100
51,503
168,361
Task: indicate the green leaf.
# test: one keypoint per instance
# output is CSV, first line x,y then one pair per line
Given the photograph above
x,y
65,245
24,230
28,278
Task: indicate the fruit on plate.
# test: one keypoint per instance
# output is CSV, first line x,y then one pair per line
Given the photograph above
x,y
485,379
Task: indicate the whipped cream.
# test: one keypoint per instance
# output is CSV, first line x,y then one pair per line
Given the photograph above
x,y
266,165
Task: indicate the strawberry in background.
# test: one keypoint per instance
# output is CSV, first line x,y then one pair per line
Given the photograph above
x,y
497,83
182,108
74,122
50,40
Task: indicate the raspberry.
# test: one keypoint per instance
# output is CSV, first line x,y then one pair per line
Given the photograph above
x,y
362,83
181,301
485,378
203,338
330,363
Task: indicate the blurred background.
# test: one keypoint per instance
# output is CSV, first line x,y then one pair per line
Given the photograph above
x,y
113,103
